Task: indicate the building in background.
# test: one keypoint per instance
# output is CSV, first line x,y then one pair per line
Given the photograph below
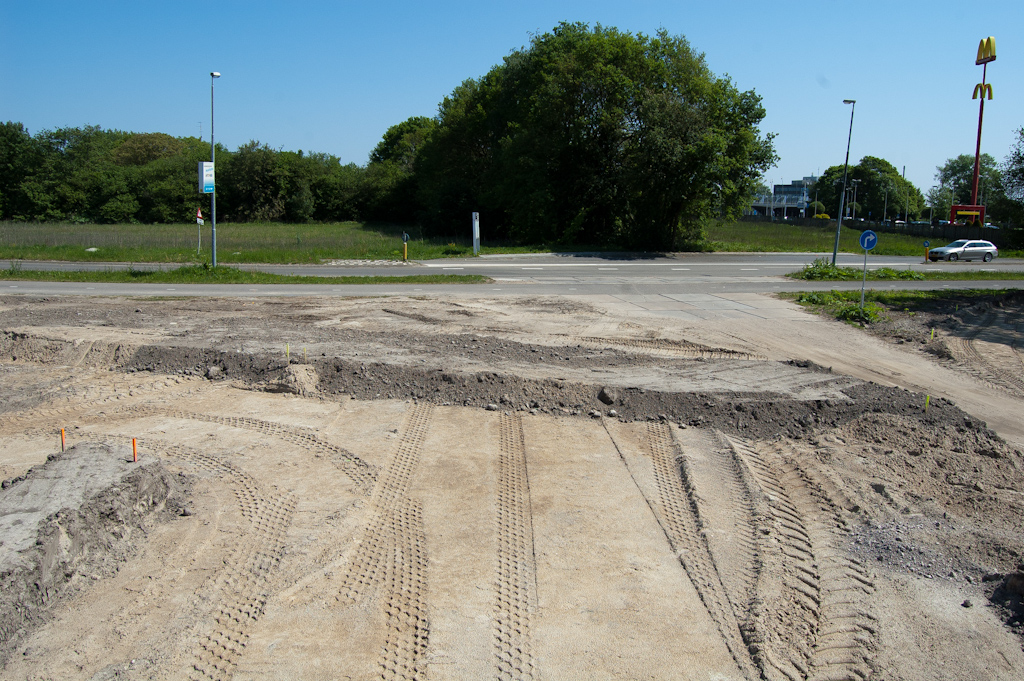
x,y
786,200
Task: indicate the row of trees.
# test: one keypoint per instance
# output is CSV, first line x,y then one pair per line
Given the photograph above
x,y
108,176
587,135
882,193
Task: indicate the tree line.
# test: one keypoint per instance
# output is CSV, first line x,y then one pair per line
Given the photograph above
x,y
882,192
110,176
588,135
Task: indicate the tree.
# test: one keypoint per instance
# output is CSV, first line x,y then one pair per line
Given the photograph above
x,y
1013,170
18,157
254,182
881,191
402,143
598,136
956,180
390,190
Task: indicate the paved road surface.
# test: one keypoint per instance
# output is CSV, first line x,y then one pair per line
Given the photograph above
x,y
686,286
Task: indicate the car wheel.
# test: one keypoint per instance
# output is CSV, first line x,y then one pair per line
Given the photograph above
x,y
988,257
953,256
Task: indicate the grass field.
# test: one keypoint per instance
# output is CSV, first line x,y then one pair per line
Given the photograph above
x,y
236,243
313,243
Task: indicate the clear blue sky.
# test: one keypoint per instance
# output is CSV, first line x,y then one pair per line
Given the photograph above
x,y
333,76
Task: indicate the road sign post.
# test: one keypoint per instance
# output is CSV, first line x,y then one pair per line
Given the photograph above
x,y
476,233
868,240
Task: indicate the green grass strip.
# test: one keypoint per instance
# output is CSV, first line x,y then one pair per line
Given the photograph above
x,y
203,274
823,270
845,305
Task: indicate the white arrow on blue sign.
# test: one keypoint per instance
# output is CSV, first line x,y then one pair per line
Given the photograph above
x,y
868,240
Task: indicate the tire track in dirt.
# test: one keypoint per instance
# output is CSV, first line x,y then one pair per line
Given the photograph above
x,y
664,347
238,592
810,619
516,584
92,398
724,501
1001,364
362,474
677,505
392,554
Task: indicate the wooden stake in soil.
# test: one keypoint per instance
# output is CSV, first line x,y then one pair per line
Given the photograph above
x,y
62,439
135,451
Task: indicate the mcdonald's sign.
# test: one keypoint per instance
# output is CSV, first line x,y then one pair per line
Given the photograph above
x,y
986,51
983,89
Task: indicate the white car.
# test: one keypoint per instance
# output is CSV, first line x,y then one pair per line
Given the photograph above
x,y
965,249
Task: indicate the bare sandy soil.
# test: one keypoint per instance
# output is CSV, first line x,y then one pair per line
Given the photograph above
x,y
517,488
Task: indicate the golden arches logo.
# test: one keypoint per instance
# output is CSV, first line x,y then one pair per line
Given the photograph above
x,y
983,89
986,51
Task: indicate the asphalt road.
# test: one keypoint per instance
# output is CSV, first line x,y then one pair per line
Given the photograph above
x,y
544,274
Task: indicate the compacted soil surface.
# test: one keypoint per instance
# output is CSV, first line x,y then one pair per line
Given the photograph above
x,y
510,488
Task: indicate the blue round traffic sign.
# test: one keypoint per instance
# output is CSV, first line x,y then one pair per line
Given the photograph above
x,y
927,244
868,240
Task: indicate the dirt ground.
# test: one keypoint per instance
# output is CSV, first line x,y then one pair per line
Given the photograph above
x,y
511,488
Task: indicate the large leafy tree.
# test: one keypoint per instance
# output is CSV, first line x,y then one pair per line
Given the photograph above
x,y
390,190
254,182
881,191
596,135
18,157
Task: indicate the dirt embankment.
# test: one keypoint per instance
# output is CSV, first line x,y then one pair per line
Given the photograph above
x,y
74,519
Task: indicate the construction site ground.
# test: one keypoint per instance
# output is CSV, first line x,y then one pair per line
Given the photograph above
x,y
463,487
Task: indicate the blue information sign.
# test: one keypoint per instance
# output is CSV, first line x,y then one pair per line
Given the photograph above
x,y
868,240
206,177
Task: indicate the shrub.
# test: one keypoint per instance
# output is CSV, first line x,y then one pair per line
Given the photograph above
x,y
822,269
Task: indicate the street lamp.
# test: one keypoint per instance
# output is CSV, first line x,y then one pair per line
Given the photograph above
x,y
213,157
853,206
846,165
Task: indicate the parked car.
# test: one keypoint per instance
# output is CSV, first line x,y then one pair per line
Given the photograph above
x,y
965,249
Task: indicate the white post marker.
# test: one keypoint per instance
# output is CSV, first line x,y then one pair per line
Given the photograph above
x,y
476,233
868,240
199,229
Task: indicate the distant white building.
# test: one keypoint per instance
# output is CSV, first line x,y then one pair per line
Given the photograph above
x,y
786,200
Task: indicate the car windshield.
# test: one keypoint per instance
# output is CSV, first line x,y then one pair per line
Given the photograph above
x,y
957,244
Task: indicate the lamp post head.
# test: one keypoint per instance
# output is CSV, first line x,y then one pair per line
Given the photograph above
x,y
849,101
215,74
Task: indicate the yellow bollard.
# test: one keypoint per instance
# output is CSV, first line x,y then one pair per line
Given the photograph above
x,y
926,252
927,401
135,451
62,439
405,252
287,352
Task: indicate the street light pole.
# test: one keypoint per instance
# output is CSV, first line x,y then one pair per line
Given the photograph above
x,y
213,158
846,165
853,206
